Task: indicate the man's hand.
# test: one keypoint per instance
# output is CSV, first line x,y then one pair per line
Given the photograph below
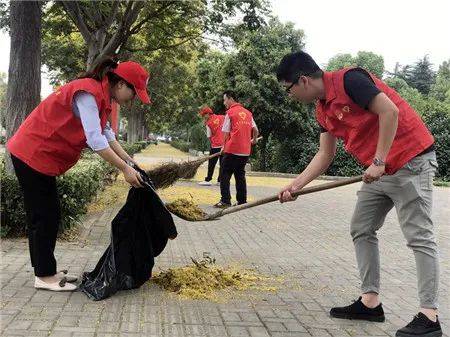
x,y
285,194
254,141
373,173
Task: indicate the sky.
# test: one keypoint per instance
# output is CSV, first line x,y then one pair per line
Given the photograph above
x,y
399,30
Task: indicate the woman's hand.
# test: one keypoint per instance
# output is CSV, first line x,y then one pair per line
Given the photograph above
x,y
132,176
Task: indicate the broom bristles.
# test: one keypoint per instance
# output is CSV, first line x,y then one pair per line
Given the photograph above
x,y
166,174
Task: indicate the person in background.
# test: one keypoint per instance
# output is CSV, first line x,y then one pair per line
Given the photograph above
x,y
214,133
240,132
50,141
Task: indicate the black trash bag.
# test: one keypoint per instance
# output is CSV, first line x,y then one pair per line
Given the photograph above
x,y
139,233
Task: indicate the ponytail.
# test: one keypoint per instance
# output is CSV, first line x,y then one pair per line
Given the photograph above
x,y
102,68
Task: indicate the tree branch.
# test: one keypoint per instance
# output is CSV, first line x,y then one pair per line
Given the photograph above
x,y
149,16
168,46
73,10
122,33
113,14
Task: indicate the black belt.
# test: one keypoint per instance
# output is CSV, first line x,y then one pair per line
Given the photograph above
x,y
428,149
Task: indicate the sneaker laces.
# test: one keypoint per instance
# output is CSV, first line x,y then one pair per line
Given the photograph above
x,y
416,322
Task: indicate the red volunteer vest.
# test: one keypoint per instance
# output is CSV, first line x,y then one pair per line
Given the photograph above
x,y
241,130
215,123
358,128
51,138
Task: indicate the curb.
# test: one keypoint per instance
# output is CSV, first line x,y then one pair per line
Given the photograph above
x,y
288,175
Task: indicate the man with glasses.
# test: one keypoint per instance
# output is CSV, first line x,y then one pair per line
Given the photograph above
x,y
388,137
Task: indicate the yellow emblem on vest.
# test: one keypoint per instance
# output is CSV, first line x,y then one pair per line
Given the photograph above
x,y
242,114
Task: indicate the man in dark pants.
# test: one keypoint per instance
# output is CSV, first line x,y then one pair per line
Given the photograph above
x,y
213,124
240,132
381,130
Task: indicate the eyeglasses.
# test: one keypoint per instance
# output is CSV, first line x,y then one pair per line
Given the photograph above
x,y
288,89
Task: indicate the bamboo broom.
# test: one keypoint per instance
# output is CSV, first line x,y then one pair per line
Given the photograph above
x,y
168,173
263,201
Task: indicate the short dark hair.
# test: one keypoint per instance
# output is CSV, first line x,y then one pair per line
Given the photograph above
x,y
297,64
230,94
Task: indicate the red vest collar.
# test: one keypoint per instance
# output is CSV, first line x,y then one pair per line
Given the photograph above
x,y
233,105
330,92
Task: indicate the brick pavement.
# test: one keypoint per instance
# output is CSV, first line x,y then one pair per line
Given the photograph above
x,y
307,242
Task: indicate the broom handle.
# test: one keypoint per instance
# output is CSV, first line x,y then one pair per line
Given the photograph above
x,y
218,153
306,190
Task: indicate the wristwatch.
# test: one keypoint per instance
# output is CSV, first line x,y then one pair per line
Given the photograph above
x,y
378,162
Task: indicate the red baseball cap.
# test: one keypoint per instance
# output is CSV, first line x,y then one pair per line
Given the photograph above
x,y
205,111
137,76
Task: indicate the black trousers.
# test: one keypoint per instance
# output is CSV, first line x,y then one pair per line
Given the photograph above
x,y
212,164
43,216
233,165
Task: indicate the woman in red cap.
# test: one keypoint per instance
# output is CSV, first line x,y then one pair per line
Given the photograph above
x,y
50,141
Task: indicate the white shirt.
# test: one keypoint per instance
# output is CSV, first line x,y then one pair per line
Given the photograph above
x,y
85,107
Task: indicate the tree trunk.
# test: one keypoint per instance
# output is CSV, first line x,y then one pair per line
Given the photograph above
x,y
136,125
24,75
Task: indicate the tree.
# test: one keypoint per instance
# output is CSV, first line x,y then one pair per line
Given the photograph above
x,y
371,62
420,75
24,74
250,72
107,27
441,88
365,59
3,88
159,28
340,61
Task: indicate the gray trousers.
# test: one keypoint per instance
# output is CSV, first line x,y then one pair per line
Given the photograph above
x,y
410,190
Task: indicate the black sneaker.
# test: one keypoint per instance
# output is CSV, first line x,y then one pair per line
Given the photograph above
x,y
358,310
421,326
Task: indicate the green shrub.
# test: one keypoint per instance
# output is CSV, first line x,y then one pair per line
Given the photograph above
x,y
76,189
180,145
131,149
199,141
437,118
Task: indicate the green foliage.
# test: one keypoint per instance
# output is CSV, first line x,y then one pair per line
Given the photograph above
x,y
437,118
367,60
76,189
180,145
250,72
441,88
340,61
419,76
409,94
136,147
199,141
371,62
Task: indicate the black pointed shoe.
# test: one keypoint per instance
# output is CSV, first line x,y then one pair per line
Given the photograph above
x,y
358,310
421,326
